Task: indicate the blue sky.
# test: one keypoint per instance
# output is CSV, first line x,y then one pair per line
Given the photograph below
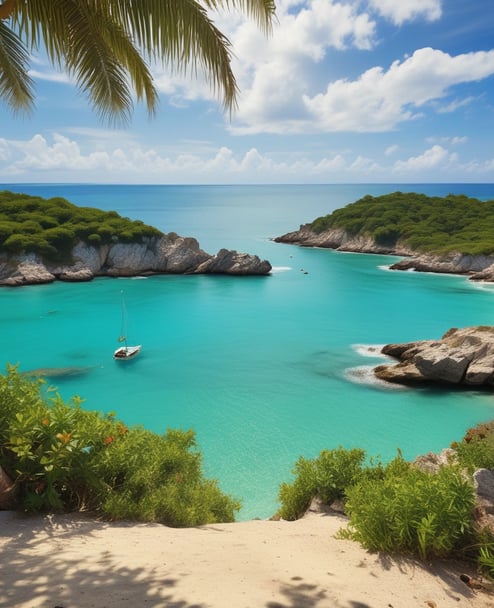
x,y
341,92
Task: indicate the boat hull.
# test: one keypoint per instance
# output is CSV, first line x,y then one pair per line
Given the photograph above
x,y
125,353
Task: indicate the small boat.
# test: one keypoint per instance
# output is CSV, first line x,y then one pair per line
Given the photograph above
x,y
125,351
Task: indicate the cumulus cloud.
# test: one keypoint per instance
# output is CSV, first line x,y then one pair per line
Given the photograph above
x,y
276,74
390,150
379,100
399,11
274,71
63,157
434,157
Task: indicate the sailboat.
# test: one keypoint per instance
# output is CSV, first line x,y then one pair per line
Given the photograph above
x,y
125,351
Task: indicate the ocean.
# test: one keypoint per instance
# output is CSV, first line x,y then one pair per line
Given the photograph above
x,y
264,369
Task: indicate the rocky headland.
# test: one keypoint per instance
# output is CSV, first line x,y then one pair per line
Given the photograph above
x,y
476,267
462,357
164,254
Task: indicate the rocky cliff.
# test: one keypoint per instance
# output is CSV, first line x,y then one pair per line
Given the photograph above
x,y
338,239
477,267
166,254
462,357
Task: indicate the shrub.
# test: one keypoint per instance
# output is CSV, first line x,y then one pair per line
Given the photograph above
x,y
17,243
63,457
476,449
410,510
325,477
27,223
158,478
424,223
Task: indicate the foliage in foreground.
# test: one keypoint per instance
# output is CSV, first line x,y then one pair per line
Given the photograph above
x,y
399,507
106,47
423,223
325,477
63,457
411,510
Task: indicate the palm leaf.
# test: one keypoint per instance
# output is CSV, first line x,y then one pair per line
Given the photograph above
x,y
16,86
84,37
102,43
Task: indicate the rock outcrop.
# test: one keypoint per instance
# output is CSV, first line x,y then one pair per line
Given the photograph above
x,y
484,490
167,254
477,267
461,357
340,240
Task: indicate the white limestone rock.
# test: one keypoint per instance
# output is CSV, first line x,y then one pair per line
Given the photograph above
x,y
462,357
168,253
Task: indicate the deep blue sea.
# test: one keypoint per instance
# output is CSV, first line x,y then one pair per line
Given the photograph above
x,y
265,369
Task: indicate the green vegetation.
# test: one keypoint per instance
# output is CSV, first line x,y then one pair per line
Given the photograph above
x,y
106,47
423,223
51,227
325,477
62,457
411,510
400,507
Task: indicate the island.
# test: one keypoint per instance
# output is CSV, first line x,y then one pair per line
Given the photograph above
x,y
452,234
44,240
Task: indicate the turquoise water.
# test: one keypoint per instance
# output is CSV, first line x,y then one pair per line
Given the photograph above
x,y
265,369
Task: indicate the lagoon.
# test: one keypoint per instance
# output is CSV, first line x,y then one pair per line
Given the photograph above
x,y
265,369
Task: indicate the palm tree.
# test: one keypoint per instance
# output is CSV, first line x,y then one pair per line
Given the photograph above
x,y
105,46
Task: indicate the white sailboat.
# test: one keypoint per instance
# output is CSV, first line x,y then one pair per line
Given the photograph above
x,y
125,352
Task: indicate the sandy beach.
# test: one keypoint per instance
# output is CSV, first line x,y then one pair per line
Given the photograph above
x,y
72,561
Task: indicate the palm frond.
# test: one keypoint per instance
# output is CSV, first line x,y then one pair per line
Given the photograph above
x,y
262,11
16,86
180,34
103,43
85,39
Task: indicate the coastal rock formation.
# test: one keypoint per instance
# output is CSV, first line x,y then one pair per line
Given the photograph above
x,y
340,240
167,254
484,490
477,267
461,357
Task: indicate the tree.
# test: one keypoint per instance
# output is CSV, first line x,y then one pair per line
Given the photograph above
x,y
105,45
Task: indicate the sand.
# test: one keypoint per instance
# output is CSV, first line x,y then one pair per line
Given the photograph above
x,y
72,561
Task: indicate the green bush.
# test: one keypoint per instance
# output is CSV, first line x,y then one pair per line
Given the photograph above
x,y
29,224
424,223
411,510
158,478
325,477
476,449
62,457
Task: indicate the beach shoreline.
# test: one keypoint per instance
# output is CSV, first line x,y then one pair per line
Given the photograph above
x,y
75,561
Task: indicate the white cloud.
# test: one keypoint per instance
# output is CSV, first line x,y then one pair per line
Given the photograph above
x,y
62,159
379,100
390,150
455,105
275,71
276,74
280,93
454,141
434,157
399,11
50,76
